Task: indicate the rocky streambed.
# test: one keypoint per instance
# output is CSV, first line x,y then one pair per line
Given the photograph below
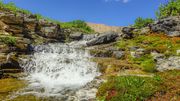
x,y
62,72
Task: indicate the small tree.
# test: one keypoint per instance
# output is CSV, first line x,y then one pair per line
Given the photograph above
x,y
140,22
171,8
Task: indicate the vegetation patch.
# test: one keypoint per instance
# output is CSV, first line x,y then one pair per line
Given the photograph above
x,y
171,8
163,86
10,40
153,42
128,88
140,22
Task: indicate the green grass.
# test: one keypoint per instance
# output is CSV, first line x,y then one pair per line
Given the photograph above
x,y
128,88
10,40
11,6
152,42
146,63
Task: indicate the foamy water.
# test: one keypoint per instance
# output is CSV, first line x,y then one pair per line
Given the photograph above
x,y
54,68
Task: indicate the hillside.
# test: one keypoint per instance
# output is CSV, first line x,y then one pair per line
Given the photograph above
x,y
101,28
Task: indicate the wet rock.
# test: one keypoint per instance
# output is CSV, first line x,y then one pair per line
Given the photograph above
x,y
103,39
169,25
76,36
171,63
10,62
1,73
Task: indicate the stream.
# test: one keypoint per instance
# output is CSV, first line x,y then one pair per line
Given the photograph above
x,y
64,72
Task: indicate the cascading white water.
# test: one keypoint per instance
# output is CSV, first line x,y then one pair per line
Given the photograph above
x,y
54,68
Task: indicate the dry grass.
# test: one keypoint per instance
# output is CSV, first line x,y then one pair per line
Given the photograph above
x,y
170,88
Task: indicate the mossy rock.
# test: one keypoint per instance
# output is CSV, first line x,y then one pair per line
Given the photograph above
x,y
9,85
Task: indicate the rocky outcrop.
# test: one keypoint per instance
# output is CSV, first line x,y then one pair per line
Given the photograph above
x,y
103,39
25,24
169,25
18,31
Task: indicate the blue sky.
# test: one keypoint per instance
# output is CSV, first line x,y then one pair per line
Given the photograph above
x,y
110,12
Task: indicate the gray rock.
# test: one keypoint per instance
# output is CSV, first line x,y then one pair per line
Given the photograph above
x,y
138,53
157,56
104,38
174,34
127,32
118,54
169,25
88,37
76,36
144,31
172,63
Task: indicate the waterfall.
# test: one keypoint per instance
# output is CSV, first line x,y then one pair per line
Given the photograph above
x,y
55,68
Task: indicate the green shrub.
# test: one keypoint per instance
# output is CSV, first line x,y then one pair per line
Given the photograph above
x,y
78,25
8,40
171,8
128,88
140,22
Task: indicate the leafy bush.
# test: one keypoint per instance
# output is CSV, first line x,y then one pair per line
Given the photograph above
x,y
171,8
128,88
8,40
140,22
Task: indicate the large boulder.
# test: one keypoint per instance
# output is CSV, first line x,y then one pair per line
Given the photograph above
x,y
171,63
169,25
103,39
76,36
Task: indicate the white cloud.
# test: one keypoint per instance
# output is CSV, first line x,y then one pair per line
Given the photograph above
x,y
123,1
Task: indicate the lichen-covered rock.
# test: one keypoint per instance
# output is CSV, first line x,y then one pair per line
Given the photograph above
x,y
103,39
171,63
138,53
169,25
